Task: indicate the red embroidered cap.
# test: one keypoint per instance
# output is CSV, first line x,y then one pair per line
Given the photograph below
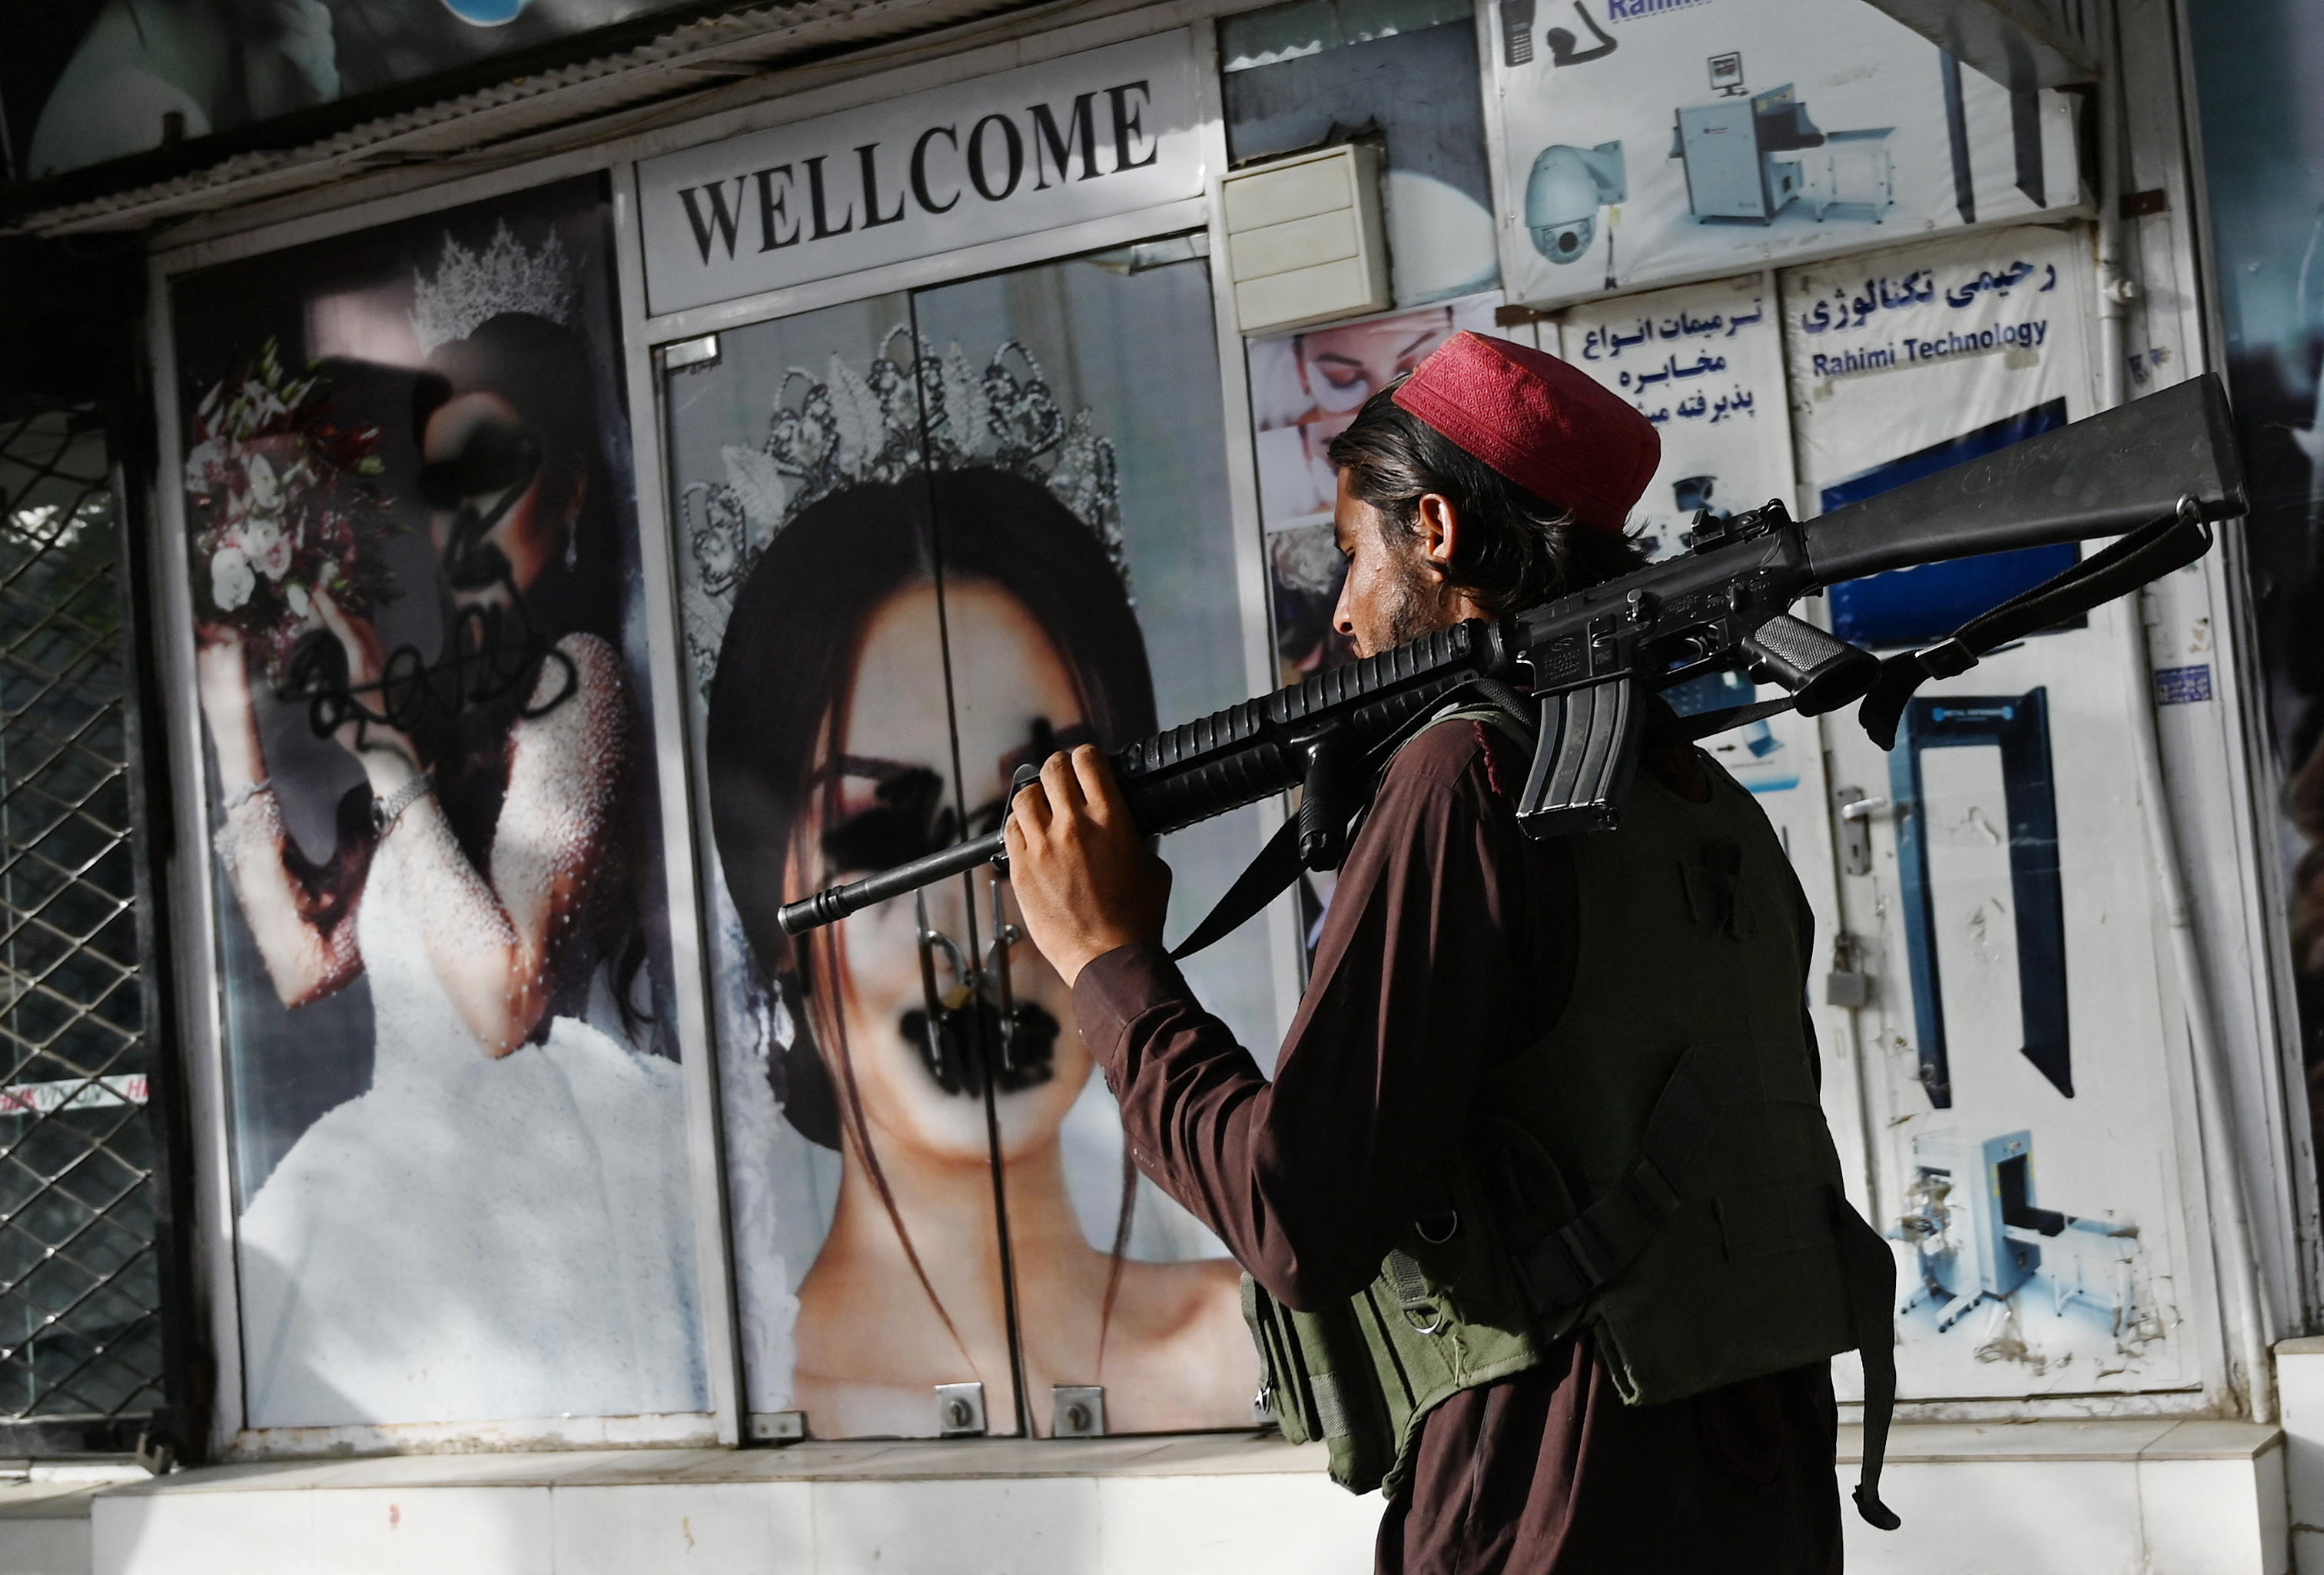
x,y
1543,423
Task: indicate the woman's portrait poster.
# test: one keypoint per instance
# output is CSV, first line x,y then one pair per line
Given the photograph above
x,y
458,1128
1306,388
925,539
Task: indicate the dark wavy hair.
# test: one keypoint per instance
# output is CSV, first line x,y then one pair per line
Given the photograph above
x,y
1515,548
785,670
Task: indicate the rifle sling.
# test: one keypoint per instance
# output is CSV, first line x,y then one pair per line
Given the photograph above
x,y
2143,556
1278,865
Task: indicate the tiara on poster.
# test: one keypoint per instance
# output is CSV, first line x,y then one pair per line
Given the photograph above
x,y
852,428
471,288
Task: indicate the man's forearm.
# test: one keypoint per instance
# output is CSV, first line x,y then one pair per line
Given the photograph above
x,y
1197,1113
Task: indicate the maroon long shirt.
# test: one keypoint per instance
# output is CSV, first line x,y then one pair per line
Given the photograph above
x,y
1450,946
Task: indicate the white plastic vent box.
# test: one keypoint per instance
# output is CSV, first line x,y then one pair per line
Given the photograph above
x,y
1305,243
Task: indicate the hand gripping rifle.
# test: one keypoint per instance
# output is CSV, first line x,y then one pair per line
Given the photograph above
x,y
1577,671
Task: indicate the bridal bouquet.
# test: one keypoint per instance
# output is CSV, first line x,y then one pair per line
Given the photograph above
x,y
281,503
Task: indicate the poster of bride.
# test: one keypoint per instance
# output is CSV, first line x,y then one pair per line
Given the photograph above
x,y
458,1132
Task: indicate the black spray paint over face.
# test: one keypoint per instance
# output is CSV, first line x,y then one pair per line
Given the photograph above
x,y
954,1054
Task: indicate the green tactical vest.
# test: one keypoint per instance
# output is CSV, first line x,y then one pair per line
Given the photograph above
x,y
1655,1170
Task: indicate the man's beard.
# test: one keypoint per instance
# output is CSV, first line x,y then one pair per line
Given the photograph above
x,y
1414,610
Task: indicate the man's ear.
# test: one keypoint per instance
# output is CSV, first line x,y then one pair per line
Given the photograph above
x,y
1437,523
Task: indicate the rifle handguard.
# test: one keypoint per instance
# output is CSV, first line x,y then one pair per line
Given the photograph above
x,y
1230,757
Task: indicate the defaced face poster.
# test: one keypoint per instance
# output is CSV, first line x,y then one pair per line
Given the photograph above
x,y
924,539
1649,141
458,1134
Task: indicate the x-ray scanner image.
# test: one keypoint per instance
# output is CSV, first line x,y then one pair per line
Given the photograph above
x,y
1749,159
1752,134
2049,1282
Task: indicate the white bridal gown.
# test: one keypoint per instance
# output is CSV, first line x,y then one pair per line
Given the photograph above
x,y
473,1239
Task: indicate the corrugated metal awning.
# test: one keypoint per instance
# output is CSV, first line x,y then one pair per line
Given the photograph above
x,y
519,118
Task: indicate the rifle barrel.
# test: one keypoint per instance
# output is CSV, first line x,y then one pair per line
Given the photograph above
x,y
2102,476
836,902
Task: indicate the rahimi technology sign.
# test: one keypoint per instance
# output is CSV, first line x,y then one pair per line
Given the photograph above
x,y
1088,137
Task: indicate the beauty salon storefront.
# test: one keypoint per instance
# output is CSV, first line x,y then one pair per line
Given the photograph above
x,y
721,485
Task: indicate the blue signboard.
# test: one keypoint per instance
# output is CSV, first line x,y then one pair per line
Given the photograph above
x,y
1917,606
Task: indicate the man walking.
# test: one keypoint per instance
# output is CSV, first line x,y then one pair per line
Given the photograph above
x,y
1543,1149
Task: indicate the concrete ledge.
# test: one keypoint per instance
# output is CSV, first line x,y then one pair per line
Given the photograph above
x,y
1122,1507
44,1520
2191,1498
2145,1438
979,1459
2156,1496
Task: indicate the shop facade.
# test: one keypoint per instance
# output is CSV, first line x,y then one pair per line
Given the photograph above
x,y
719,456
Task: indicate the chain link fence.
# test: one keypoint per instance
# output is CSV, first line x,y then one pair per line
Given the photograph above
x,y
81,1334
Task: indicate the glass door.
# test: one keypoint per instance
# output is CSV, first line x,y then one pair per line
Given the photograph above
x,y
924,539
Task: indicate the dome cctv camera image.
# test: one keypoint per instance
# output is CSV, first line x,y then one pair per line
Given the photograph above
x,y
1567,187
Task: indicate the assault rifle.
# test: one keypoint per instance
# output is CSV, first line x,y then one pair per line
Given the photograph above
x,y
1577,671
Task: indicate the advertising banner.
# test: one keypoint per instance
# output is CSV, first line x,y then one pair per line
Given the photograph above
x,y
1649,141
1107,131
83,81
1885,356
2017,1083
1705,363
457,1126
923,539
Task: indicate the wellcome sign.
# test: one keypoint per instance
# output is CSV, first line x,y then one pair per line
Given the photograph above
x,y
1088,137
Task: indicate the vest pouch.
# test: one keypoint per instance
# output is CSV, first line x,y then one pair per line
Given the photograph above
x,y
1283,1392
1444,1314
1319,1369
1723,1293
1528,1199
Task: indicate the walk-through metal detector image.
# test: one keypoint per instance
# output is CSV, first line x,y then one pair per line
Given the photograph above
x,y
2020,726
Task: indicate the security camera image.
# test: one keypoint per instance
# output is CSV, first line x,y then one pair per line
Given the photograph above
x,y
1567,186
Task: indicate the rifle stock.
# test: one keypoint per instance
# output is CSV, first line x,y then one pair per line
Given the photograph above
x,y
2102,476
